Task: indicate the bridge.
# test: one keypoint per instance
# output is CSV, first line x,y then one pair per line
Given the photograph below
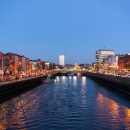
x,y
70,72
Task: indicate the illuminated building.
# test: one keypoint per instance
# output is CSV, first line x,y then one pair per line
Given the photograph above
x,y
124,63
112,61
12,63
33,67
23,65
103,54
76,67
62,60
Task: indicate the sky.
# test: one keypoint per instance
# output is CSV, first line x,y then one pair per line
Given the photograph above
x,y
77,28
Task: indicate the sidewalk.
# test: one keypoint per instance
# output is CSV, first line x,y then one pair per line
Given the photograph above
x,y
19,80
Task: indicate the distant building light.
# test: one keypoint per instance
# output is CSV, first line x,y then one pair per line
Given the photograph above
x,y
62,60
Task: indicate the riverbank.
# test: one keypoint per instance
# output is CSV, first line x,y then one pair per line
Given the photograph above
x,y
13,88
10,89
119,83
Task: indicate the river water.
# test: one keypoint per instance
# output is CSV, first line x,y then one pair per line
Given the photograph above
x,y
70,103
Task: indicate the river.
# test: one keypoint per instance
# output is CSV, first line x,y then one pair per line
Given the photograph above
x,y
70,103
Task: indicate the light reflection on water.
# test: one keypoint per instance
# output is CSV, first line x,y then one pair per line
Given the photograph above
x,y
116,112
83,99
13,115
70,103
75,80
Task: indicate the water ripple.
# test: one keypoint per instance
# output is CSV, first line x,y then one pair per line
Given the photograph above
x,y
67,104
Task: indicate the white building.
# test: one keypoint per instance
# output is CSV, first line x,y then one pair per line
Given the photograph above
x,y
62,60
103,54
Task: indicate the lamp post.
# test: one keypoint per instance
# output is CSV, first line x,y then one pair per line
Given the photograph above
x,y
2,66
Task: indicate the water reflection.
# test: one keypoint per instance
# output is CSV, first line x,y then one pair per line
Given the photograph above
x,y
83,90
70,103
3,117
13,115
70,77
117,113
57,79
75,80
63,78
127,117
84,79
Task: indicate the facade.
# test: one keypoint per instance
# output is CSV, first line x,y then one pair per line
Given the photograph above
x,y
103,54
23,65
110,64
34,67
15,64
124,63
12,64
62,60
37,67
111,61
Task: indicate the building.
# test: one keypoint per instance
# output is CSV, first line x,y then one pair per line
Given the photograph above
x,y
76,67
62,60
15,64
34,67
110,64
124,63
111,61
12,63
103,54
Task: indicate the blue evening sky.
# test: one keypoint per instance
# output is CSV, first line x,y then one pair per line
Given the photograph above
x,y
46,28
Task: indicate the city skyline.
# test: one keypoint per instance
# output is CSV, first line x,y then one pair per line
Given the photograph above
x,y
46,29
65,64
